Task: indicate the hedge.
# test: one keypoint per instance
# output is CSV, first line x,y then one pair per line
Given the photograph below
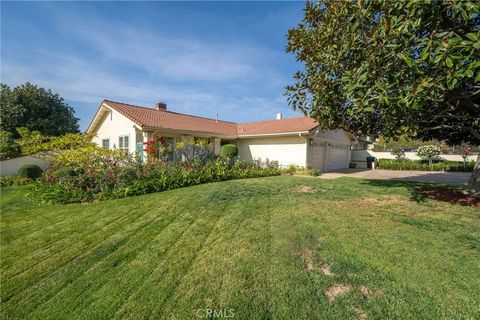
x,y
423,165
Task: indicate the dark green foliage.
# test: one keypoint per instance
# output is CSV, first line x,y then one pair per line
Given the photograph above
x,y
35,108
390,67
73,182
352,165
9,181
8,147
31,171
423,165
314,172
229,150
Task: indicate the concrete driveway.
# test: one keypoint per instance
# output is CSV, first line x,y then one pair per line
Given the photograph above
x,y
400,175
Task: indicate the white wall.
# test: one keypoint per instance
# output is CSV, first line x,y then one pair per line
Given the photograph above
x,y
360,155
285,150
113,126
10,167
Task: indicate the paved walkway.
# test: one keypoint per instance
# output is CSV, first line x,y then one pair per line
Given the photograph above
x,y
400,175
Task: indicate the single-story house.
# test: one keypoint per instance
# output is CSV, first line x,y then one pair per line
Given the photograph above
x,y
289,141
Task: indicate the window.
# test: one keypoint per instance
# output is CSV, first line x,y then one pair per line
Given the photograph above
x,y
123,143
106,143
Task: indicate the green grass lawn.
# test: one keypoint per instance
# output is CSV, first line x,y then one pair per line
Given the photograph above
x,y
268,248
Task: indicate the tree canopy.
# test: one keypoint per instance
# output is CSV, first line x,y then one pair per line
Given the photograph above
x,y
36,109
390,67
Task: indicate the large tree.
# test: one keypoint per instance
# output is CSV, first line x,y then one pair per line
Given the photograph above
x,y
35,108
392,68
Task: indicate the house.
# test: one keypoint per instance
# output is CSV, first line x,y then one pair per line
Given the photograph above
x,y
289,141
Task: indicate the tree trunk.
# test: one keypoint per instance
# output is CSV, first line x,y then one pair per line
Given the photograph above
x,y
474,183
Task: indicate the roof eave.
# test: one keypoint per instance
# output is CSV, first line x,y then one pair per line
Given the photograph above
x,y
190,132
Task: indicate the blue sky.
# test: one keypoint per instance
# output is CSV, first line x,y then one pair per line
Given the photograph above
x,y
198,57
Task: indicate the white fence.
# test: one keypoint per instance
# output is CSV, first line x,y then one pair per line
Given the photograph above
x,y
10,167
360,156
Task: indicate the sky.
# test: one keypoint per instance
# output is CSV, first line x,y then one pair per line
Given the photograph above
x,y
200,58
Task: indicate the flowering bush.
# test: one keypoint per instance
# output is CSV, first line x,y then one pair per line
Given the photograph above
x,y
428,152
158,149
88,174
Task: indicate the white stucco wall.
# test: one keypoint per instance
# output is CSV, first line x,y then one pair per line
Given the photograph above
x,y
286,150
360,155
113,126
10,167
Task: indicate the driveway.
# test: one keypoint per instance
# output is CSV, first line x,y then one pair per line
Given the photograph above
x,y
401,175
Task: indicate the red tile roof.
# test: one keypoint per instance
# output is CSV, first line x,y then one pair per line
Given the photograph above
x,y
149,117
154,118
287,125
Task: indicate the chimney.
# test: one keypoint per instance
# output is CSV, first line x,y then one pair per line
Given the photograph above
x,y
279,116
160,106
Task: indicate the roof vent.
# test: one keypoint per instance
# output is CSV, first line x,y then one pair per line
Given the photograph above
x,y
279,116
160,106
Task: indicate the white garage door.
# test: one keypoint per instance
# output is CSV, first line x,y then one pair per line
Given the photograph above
x,y
338,157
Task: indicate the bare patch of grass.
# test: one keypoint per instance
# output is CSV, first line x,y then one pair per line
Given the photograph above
x,y
305,189
359,313
364,291
326,270
337,290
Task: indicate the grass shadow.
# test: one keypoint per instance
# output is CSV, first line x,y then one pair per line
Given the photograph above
x,y
421,191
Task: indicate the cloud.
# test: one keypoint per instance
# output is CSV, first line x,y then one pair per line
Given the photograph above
x,y
175,58
237,79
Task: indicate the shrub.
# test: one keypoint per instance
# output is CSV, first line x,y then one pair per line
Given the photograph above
x,y
229,150
291,169
34,143
9,181
8,147
352,165
31,171
424,165
428,152
314,172
106,175
199,149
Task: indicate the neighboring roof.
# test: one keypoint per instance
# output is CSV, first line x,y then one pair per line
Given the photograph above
x,y
149,117
288,125
153,118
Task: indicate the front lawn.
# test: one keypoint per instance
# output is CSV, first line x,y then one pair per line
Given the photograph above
x,y
277,247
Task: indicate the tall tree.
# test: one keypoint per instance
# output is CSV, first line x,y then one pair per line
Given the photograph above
x,y
391,68
35,108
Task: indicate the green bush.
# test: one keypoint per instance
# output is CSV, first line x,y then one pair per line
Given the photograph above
x,y
9,181
31,171
71,181
314,172
291,169
8,147
424,165
352,165
229,150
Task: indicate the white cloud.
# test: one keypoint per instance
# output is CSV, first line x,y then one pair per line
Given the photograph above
x,y
237,80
